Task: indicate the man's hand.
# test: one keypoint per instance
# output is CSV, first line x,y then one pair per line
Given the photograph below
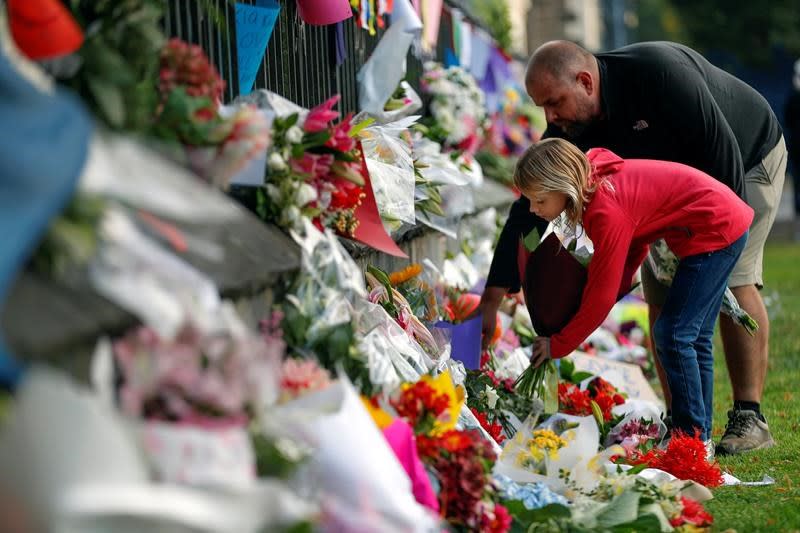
x,y
541,351
491,299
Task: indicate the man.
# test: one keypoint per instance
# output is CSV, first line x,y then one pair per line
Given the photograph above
x,y
791,118
665,101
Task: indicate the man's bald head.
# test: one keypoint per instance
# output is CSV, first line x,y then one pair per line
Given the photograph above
x,y
564,79
559,59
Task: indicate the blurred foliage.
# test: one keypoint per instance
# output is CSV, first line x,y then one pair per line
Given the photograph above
x,y
497,18
749,30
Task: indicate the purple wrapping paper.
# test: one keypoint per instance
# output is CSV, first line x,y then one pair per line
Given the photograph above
x,y
465,341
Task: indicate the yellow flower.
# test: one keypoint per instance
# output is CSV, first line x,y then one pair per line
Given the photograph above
x,y
443,384
401,276
382,418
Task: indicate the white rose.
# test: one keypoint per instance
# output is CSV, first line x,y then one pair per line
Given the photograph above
x,y
274,193
491,396
305,194
276,162
294,135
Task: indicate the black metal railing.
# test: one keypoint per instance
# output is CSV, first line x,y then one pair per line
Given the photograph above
x,y
299,63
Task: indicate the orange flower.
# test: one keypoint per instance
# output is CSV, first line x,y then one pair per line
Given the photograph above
x,y
401,276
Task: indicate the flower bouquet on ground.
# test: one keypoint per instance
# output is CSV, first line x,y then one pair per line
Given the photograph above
x,y
684,457
460,461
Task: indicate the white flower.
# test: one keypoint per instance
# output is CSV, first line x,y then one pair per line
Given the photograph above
x,y
491,396
276,162
294,135
305,194
292,215
274,193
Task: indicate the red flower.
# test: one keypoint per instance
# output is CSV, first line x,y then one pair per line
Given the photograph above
x,y
605,403
693,513
420,404
319,117
496,521
494,429
573,401
684,458
346,195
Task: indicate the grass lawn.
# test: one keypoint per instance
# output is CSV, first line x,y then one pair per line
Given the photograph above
x,y
777,507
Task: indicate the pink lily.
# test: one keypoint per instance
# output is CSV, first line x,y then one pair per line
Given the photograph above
x,y
319,117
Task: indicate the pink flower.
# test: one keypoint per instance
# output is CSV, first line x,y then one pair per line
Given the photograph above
x,y
319,117
300,376
340,139
315,166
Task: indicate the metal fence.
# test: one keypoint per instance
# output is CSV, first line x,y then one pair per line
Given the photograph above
x,y
300,60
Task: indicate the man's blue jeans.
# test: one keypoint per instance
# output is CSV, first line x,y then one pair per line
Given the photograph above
x,y
684,334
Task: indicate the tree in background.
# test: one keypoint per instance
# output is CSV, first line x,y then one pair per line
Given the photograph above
x,y
497,18
749,30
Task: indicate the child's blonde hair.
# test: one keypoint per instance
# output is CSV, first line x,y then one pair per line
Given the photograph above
x,y
555,165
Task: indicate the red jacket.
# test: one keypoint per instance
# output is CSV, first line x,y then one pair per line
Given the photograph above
x,y
640,202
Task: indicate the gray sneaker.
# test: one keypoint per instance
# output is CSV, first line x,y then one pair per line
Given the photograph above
x,y
744,432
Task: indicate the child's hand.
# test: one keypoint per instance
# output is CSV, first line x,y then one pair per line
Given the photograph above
x,y
541,351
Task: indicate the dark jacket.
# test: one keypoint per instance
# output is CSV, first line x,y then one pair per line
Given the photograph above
x,y
661,101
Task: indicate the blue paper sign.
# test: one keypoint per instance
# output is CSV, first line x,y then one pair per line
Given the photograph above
x,y
254,26
465,341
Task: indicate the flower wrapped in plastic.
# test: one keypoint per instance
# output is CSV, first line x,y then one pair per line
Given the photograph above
x,y
391,170
319,310
549,452
664,264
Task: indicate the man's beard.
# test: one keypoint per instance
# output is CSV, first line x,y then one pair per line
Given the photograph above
x,y
575,129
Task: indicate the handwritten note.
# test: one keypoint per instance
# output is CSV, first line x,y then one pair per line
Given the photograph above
x,y
254,26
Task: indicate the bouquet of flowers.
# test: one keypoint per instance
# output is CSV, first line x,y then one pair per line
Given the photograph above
x,y
381,291
684,457
457,107
314,171
190,91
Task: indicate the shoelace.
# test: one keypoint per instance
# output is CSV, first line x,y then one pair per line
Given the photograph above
x,y
739,424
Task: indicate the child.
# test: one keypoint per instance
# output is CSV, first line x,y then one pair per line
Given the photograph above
x,y
625,205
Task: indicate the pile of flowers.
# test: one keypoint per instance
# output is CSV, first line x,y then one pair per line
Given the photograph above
x,y
457,107
195,376
460,460
314,171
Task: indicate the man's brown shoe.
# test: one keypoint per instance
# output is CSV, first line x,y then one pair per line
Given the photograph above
x,y
744,432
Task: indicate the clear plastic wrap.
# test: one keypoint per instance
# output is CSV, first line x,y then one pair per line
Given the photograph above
x,y
391,169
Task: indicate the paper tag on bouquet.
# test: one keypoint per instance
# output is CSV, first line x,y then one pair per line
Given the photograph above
x,y
204,456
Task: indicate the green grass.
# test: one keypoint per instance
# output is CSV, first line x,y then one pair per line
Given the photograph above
x,y
776,507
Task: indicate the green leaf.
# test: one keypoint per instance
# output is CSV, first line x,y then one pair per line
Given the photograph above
x,y
567,367
355,129
527,516
621,510
636,469
579,376
109,100
646,522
